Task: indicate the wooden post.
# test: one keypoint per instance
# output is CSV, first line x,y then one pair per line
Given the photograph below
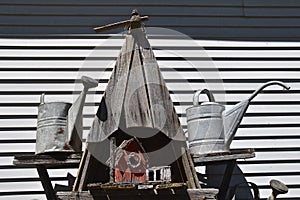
x,y
112,160
193,181
226,179
80,171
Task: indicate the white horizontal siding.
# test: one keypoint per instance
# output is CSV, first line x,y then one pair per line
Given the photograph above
x,y
35,98
154,42
21,75
24,197
159,53
239,78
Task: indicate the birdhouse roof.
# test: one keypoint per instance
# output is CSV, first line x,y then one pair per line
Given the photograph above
x,y
136,94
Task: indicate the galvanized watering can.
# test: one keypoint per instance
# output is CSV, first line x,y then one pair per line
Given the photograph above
x,y
59,124
52,127
211,128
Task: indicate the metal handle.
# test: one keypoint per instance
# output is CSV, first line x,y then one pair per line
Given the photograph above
x,y
42,98
208,93
88,82
266,85
277,188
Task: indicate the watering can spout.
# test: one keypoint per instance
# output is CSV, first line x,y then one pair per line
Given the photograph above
x,y
74,120
233,117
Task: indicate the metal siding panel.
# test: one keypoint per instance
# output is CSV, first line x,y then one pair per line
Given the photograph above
x,y
275,3
274,20
104,14
132,2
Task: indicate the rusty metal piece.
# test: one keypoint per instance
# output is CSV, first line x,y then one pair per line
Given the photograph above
x,y
277,188
51,127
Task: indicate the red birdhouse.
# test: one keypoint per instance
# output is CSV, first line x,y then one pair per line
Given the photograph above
x,y
130,162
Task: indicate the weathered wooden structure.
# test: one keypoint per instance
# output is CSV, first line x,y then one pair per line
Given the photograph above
x,y
137,104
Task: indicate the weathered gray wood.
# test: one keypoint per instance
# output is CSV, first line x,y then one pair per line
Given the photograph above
x,y
190,171
114,95
202,194
42,162
84,174
80,171
190,178
136,107
74,196
112,161
191,164
162,109
137,88
49,161
224,156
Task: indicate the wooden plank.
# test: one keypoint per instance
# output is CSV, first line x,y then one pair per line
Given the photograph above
x,y
136,107
82,176
29,160
80,171
192,167
114,94
163,115
74,195
231,155
201,194
190,178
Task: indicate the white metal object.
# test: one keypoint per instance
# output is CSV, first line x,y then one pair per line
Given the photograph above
x,y
211,128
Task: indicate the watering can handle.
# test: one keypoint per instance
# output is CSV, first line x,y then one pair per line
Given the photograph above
x,y
42,98
208,93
